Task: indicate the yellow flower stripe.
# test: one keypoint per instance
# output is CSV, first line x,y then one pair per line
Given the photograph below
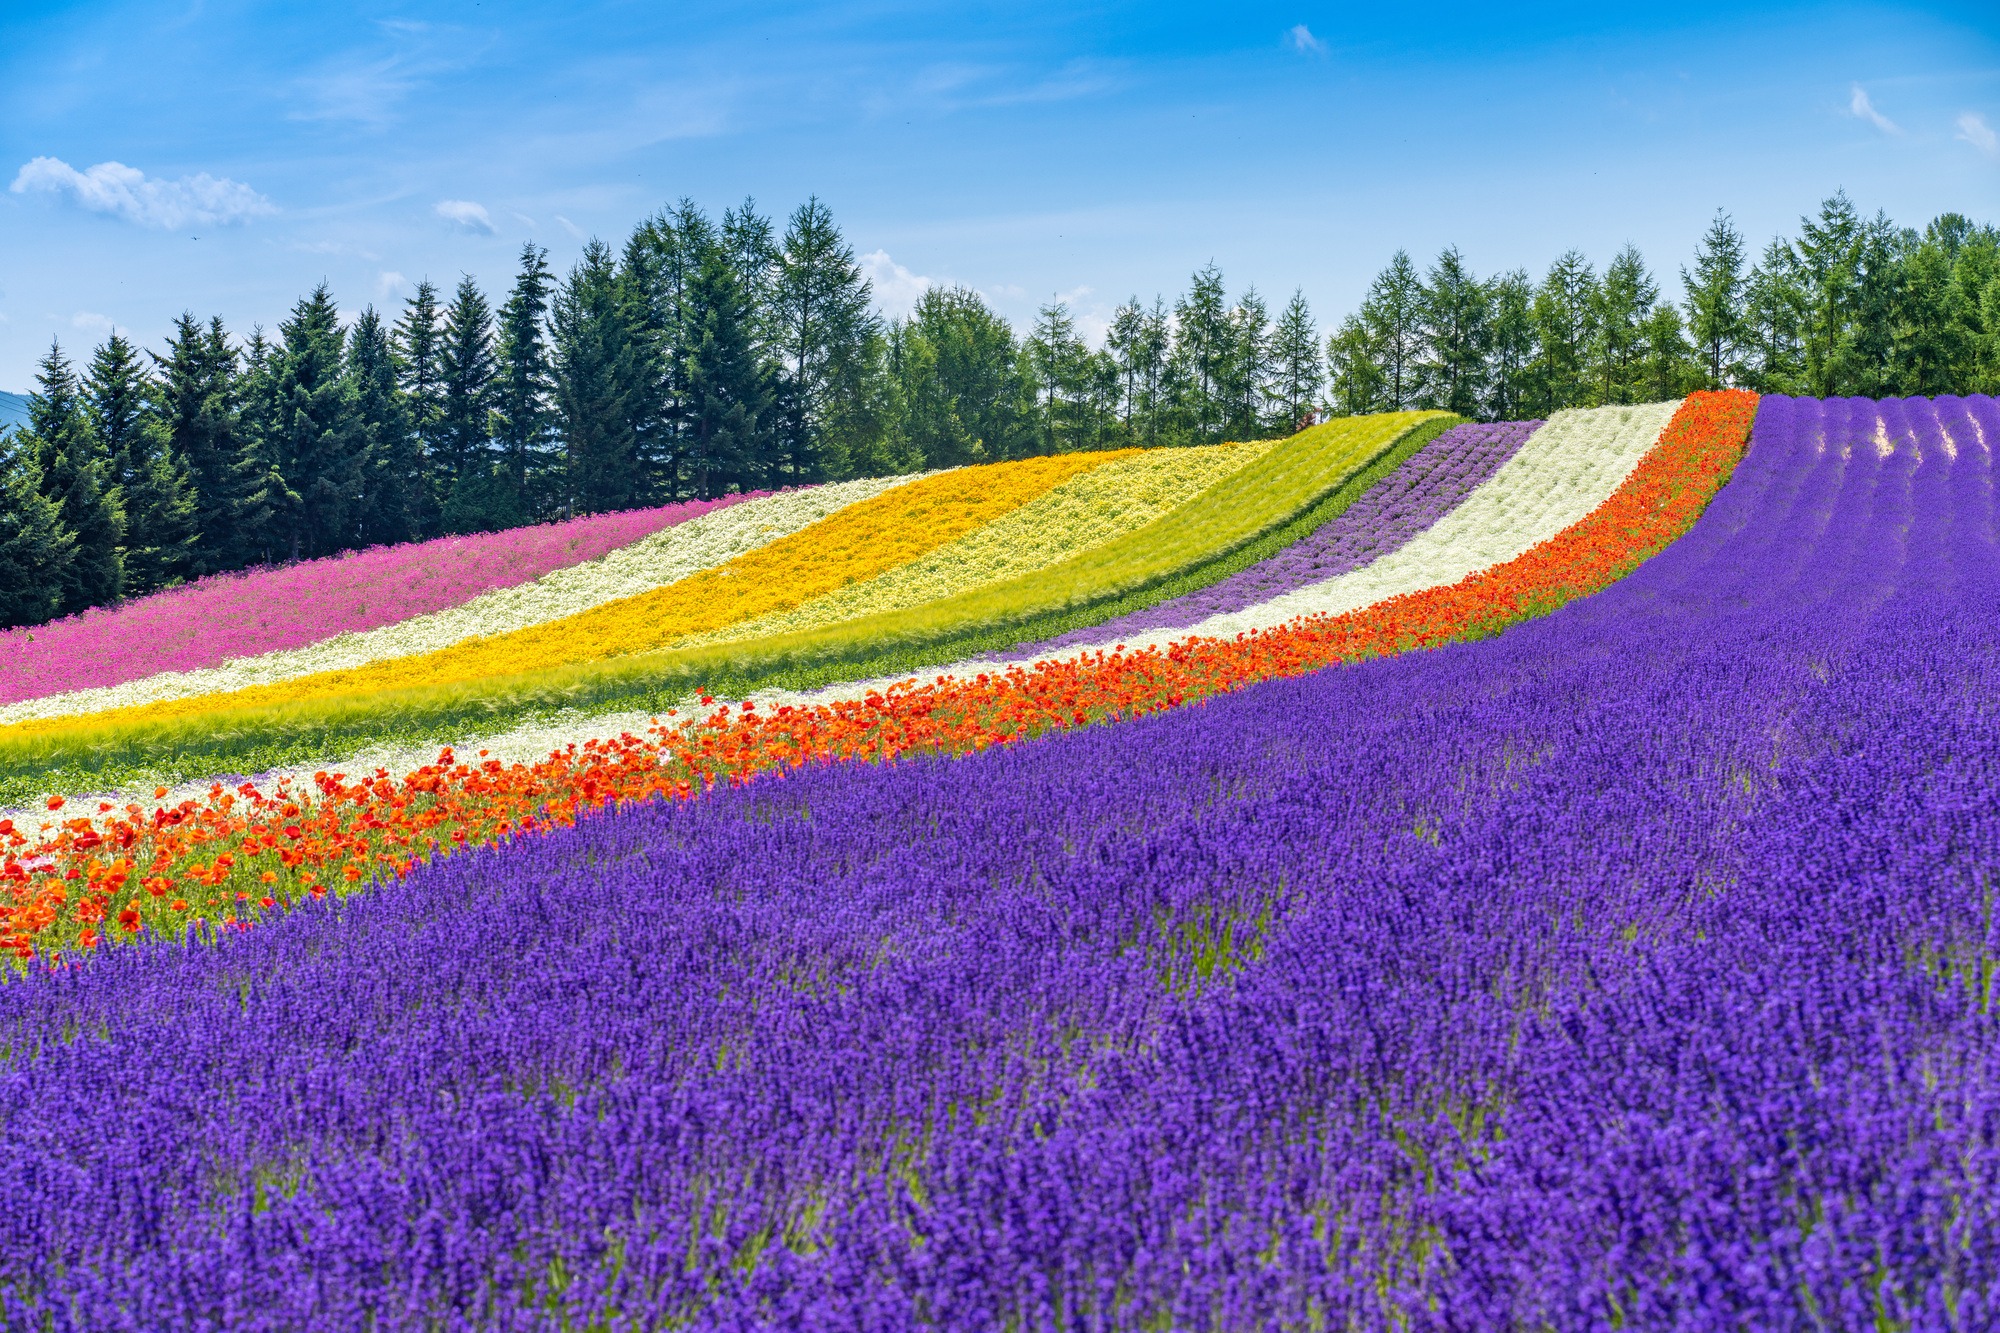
x,y
849,547
1083,512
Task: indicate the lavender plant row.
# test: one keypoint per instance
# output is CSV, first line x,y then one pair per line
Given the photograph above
x,y
1420,492
1634,968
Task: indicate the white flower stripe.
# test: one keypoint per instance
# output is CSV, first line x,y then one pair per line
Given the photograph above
x,y
665,557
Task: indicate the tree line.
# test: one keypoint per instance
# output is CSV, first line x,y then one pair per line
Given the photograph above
x,y
708,356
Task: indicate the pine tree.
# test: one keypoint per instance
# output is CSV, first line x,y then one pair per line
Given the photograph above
x,y
522,415
1204,348
731,437
1455,314
1774,315
1248,370
1565,311
962,395
1297,370
265,537
821,328
197,407
313,438
1511,387
76,478
1624,304
1357,379
1669,367
157,492
419,373
1715,296
466,370
36,550
393,480
1393,315
597,358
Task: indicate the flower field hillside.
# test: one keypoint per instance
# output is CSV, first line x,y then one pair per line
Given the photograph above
x,y
1625,960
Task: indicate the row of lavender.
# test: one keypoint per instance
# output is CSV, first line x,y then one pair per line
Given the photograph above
x,y
1634,968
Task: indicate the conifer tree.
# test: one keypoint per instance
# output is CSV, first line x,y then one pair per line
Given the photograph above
x,y
522,415
731,440
76,478
36,550
313,440
393,481
1205,346
820,329
466,369
1455,319
1249,368
1059,363
1297,370
1393,316
1510,374
1624,304
1565,312
597,359
1357,374
1715,301
196,397
264,538
157,492
417,344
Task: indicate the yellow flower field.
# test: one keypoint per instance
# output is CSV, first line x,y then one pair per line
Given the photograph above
x,y
847,548
1085,511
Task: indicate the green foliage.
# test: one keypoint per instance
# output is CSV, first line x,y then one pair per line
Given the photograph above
x,y
153,482
77,478
35,548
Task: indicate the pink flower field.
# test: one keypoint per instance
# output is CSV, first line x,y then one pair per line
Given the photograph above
x,y
262,610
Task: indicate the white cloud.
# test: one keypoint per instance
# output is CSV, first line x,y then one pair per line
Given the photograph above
x,y
127,192
1974,130
896,288
468,215
1301,39
1093,329
91,322
389,282
1864,109
570,227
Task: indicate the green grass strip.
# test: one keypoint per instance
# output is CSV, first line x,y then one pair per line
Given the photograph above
x,y
1244,518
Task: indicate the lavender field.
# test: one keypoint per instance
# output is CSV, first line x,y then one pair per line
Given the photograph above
x,y
1632,969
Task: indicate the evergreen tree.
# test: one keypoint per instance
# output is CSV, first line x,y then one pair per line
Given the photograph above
x,y
157,492
731,440
1297,373
313,439
1248,370
961,393
522,415
257,419
1454,318
197,406
1773,317
1511,388
1565,311
821,330
36,550
1624,304
419,347
1060,365
76,478
1393,316
1205,348
1715,299
1669,367
1357,381
597,356
394,484
475,498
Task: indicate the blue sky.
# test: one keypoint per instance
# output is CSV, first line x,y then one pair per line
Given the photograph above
x,y
225,157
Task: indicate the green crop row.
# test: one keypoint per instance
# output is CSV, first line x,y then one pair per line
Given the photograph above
x,y
1246,517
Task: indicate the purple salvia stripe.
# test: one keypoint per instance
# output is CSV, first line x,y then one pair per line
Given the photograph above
x,y
1430,484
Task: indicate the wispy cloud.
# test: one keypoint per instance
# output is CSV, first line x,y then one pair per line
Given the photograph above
x,y
126,192
1863,109
91,322
1301,39
467,215
389,282
897,290
1973,128
570,227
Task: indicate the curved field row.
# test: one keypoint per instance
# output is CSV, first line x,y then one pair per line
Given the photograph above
x,y
245,850
1258,508
268,610
664,557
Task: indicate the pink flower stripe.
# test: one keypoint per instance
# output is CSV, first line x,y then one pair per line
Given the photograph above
x,y
236,615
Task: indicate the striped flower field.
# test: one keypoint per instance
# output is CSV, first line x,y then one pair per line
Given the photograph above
x,y
1414,874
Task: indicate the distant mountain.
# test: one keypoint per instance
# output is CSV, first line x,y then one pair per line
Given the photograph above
x,y
13,409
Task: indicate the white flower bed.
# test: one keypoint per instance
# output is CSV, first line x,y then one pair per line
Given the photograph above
x,y
665,557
